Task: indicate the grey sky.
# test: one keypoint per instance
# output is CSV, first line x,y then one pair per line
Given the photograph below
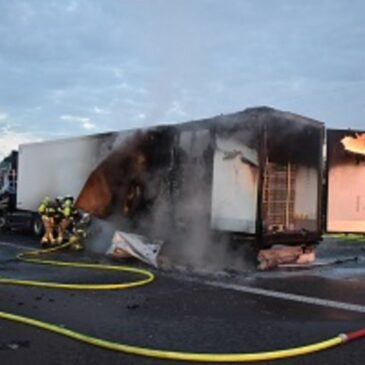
x,y
85,66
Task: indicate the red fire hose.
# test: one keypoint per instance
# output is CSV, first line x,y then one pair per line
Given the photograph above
x,y
355,335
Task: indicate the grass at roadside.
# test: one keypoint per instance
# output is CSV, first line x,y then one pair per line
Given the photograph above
x,y
347,237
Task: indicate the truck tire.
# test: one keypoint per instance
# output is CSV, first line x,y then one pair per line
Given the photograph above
x,y
37,226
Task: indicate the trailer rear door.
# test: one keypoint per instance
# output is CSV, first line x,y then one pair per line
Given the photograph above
x,y
235,183
345,181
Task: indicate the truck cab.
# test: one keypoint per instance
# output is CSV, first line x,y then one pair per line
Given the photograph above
x,y
12,218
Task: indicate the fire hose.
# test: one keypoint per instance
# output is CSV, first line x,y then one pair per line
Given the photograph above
x,y
147,277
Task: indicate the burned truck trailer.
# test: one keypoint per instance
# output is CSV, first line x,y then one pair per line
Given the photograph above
x,y
267,176
255,175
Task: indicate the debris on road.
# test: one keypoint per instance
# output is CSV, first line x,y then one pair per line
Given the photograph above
x,y
320,263
277,256
126,245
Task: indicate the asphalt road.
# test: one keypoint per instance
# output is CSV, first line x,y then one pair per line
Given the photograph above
x,y
178,312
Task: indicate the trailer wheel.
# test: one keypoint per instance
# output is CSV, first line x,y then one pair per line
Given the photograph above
x,y
37,226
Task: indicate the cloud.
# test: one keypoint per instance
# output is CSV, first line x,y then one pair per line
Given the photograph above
x,y
176,109
141,116
3,116
10,140
84,122
10,137
98,110
72,7
88,126
81,58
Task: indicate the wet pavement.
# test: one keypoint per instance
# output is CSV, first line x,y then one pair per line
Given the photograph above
x,y
181,312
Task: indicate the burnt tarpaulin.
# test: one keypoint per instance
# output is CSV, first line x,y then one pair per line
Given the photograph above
x,y
126,245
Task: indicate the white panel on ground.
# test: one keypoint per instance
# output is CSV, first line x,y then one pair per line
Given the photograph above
x,y
57,168
235,182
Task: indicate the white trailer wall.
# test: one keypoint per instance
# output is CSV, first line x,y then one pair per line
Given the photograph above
x,y
58,168
306,198
346,199
346,177
235,184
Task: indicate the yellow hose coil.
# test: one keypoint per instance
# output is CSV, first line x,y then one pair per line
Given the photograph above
x,y
147,277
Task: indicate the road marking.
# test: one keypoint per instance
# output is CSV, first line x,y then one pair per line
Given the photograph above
x,y
264,292
288,296
14,245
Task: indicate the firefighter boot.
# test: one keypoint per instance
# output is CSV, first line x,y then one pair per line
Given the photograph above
x,y
48,223
76,239
62,229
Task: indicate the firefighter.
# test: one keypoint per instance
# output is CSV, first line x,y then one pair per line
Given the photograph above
x,y
80,232
47,210
65,212
58,217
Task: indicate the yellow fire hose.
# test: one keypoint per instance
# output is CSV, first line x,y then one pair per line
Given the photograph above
x,y
147,277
